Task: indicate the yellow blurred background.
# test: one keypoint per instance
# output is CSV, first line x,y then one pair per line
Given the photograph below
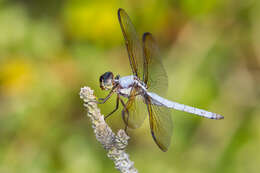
x,y
50,49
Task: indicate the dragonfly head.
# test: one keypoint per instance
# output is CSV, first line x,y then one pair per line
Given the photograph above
x,y
106,81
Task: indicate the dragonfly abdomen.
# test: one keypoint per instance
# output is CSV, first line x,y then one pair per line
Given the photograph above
x,y
160,101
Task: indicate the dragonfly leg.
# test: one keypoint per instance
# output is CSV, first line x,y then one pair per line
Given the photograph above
x,y
123,115
125,110
117,104
106,98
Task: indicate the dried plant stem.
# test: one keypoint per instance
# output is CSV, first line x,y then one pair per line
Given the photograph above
x,y
115,145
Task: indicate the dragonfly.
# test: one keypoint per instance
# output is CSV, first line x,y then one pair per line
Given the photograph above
x,y
146,88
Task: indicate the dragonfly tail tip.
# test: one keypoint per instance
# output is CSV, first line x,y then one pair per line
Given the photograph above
x,y
219,117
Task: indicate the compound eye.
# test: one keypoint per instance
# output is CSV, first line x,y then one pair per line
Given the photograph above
x,y
106,80
106,76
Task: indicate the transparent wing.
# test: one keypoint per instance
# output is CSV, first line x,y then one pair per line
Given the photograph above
x,y
134,113
155,75
161,125
133,43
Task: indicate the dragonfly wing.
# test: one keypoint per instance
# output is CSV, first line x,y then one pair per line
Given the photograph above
x,y
155,75
161,125
134,112
133,43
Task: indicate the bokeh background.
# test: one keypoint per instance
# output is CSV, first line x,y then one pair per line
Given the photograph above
x,y
50,49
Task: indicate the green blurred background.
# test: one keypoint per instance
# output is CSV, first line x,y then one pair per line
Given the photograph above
x,y
50,49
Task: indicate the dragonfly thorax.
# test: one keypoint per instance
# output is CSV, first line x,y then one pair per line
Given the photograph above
x,y
126,83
